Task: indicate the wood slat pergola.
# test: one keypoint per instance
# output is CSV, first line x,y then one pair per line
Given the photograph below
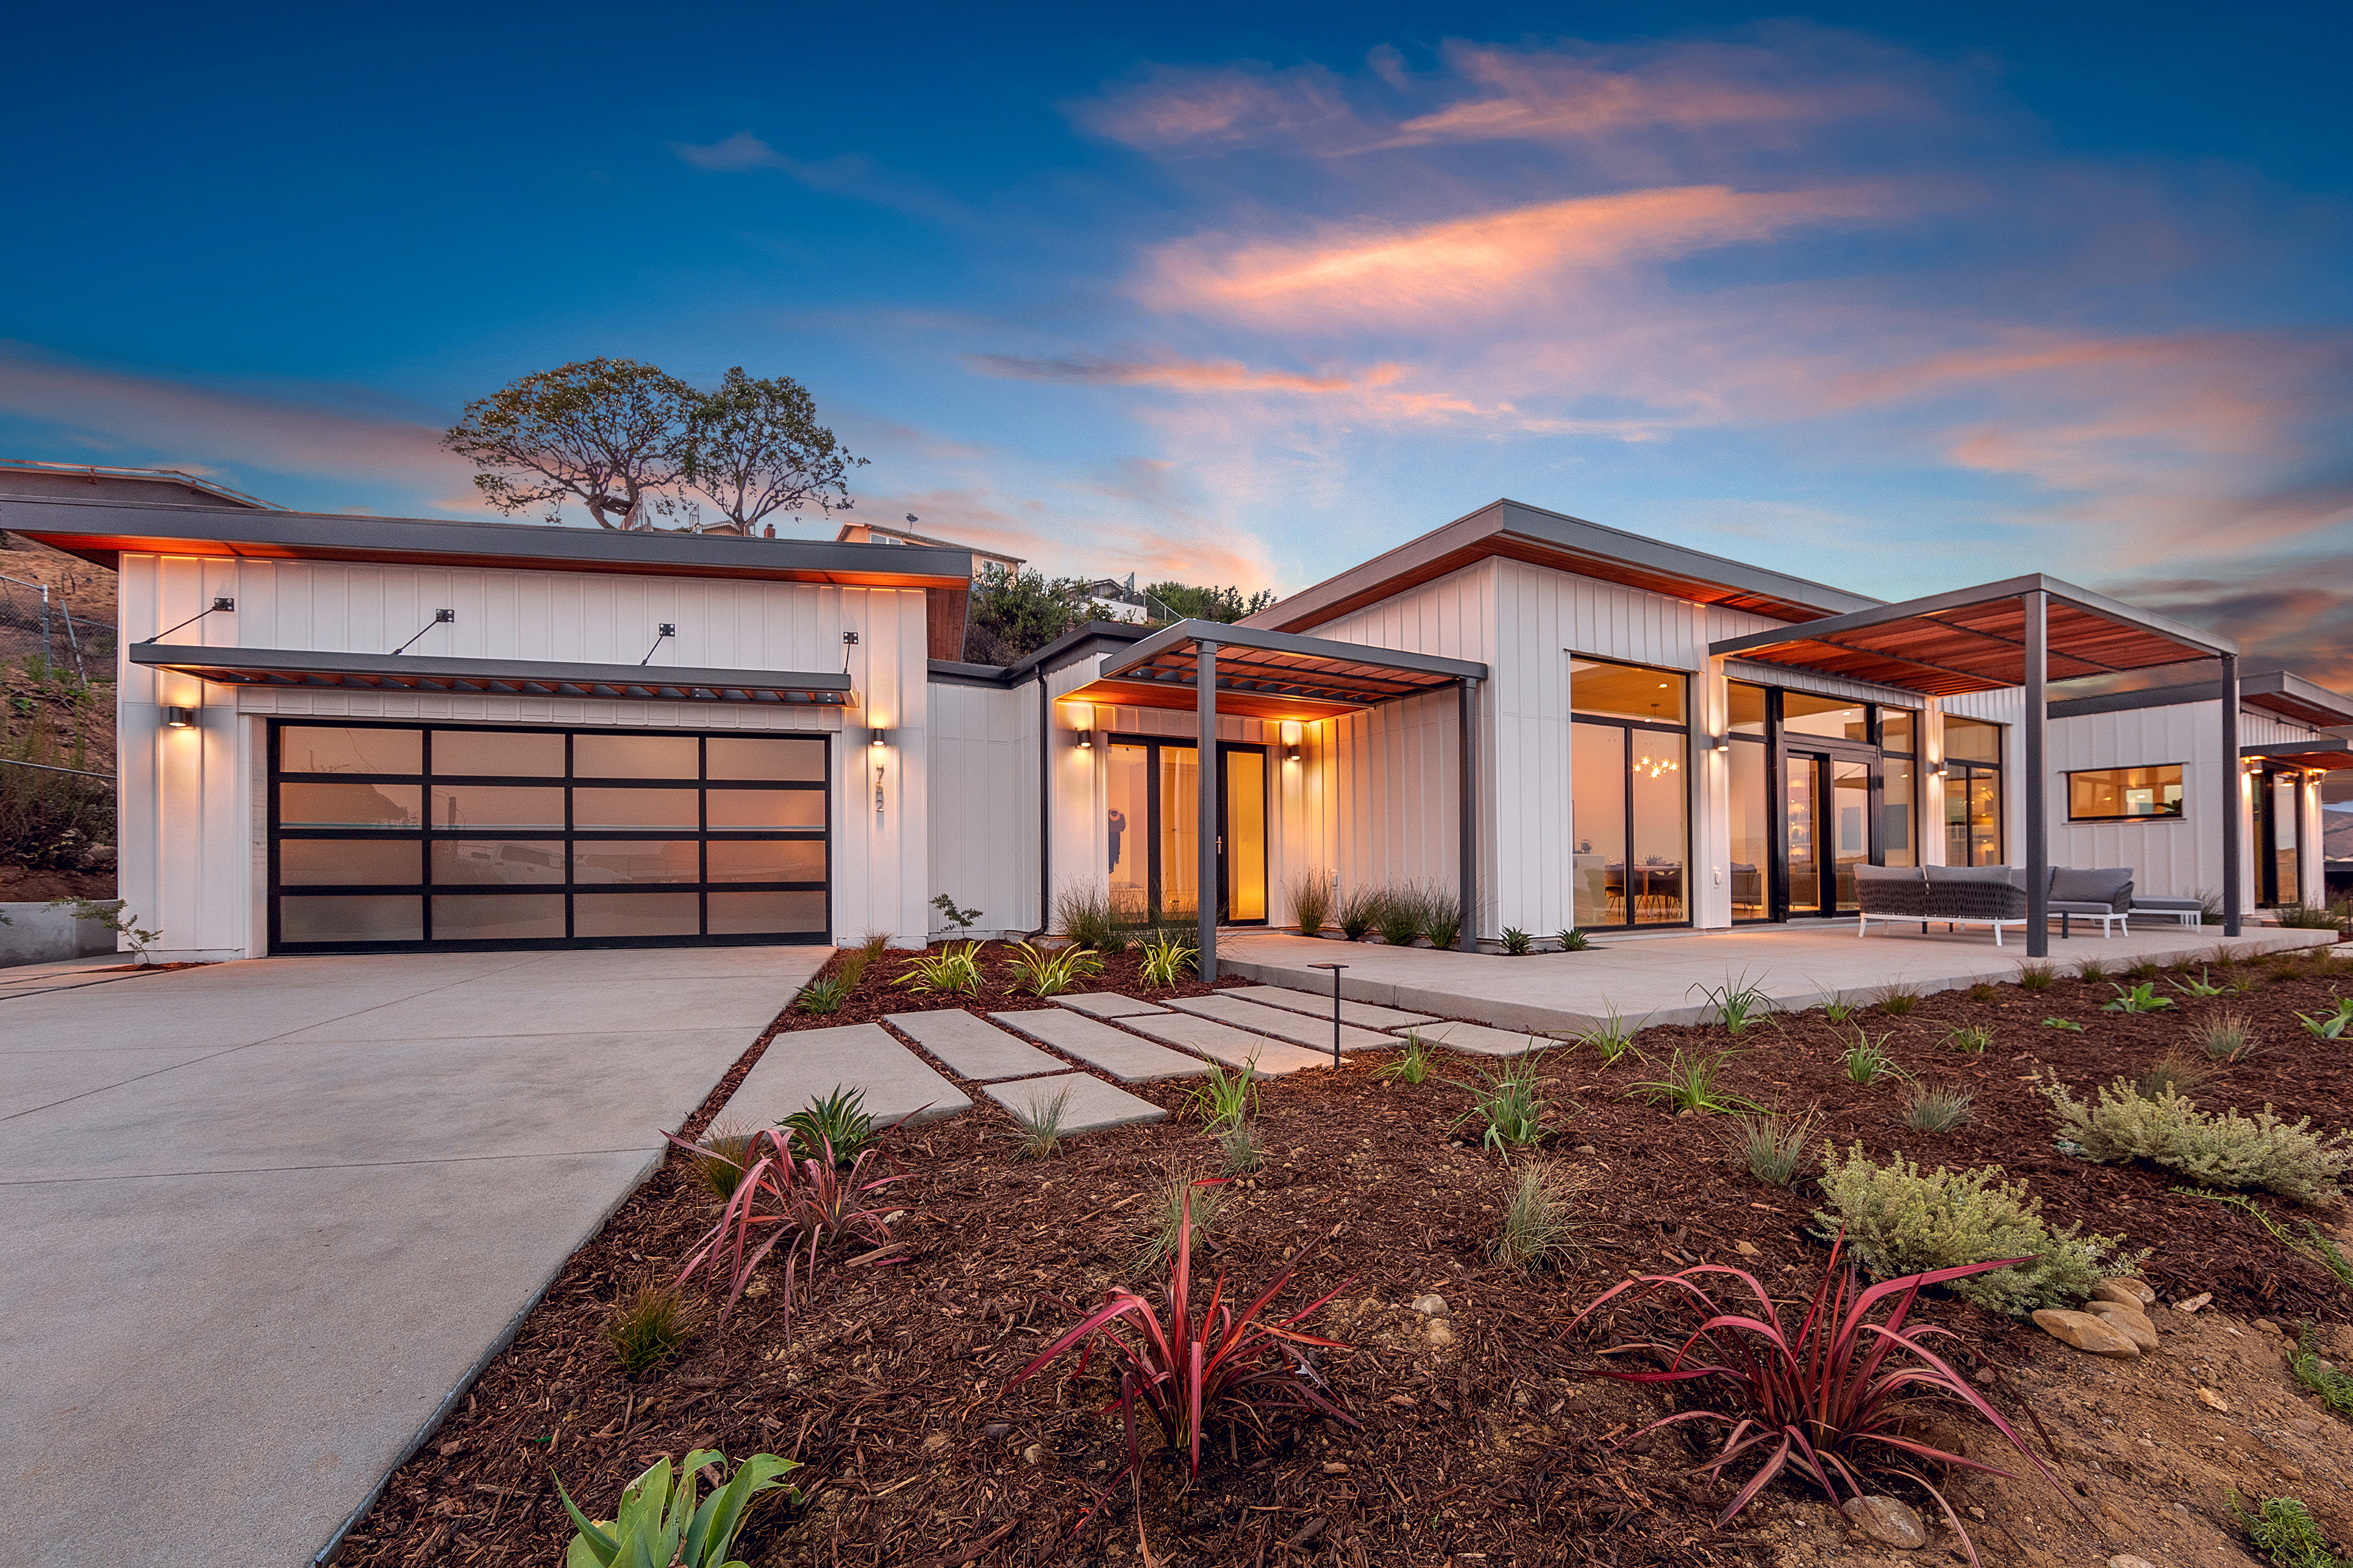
x,y
2023,631
1207,666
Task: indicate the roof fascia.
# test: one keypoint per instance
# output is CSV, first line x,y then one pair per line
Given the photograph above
x,y
296,662
104,529
1477,534
1230,633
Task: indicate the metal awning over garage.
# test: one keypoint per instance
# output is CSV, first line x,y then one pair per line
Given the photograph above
x,y
2323,755
1209,666
288,667
2021,631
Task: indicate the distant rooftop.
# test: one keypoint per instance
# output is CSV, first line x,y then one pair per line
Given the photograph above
x,y
876,534
29,479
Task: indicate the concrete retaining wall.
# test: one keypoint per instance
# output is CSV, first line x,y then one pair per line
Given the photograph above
x,y
37,933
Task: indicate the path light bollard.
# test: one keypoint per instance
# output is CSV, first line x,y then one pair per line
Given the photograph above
x,y
1335,969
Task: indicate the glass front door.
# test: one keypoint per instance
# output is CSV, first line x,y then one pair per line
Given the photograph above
x,y
1851,818
1153,809
1826,825
2279,870
1803,811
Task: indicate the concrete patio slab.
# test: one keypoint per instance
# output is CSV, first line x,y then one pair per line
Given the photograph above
x,y
1107,1004
806,1064
577,1000
266,1268
1099,1045
972,1046
1660,979
1319,1005
1224,1043
1316,1034
1093,1106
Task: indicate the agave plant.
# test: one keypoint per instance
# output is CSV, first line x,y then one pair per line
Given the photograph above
x,y
1830,1403
1184,1371
656,1524
811,1202
954,971
839,1122
1043,971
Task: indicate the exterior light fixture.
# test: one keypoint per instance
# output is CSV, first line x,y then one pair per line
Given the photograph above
x,y
1086,739
1291,730
179,718
878,738
218,605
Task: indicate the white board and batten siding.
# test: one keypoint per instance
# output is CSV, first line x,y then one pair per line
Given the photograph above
x,y
983,803
194,802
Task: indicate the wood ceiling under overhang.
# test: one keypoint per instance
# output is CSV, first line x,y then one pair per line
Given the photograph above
x,y
1974,639
1266,675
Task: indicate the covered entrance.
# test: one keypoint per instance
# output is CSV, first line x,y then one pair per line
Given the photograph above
x,y
1155,815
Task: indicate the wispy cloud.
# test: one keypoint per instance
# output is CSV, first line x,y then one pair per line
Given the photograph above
x,y
1184,375
851,174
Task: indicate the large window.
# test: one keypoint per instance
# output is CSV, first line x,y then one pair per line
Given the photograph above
x,y
413,836
1972,792
1628,795
2123,795
1751,868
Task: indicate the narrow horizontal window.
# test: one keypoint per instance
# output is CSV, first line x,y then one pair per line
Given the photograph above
x,y
2123,795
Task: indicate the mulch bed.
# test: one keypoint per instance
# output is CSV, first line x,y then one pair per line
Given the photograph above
x,y
890,1389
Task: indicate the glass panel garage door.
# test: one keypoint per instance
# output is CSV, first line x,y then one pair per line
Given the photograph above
x,y
386,836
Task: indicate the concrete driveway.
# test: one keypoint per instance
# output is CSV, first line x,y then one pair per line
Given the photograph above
x,y
262,1219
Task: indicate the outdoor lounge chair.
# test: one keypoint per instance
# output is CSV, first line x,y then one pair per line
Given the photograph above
x,y
1948,895
2104,895
2188,912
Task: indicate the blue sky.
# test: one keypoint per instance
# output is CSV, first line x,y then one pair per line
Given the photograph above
x,y
1900,303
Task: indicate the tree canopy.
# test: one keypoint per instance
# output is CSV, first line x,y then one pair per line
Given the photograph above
x,y
1197,604
629,442
1013,614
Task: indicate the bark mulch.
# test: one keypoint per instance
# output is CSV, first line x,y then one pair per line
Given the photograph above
x,y
1487,1438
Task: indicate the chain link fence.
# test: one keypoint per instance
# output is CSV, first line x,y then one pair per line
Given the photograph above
x,y
37,622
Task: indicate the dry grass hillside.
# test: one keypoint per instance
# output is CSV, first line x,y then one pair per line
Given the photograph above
x,y
57,830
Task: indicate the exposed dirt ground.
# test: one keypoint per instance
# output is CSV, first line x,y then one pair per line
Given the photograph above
x,y
1484,1442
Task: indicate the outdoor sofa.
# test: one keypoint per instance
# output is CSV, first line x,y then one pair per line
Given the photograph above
x,y
1991,896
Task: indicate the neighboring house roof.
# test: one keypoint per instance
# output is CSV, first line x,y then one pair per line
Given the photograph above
x,y
25,478
875,533
102,531
1521,533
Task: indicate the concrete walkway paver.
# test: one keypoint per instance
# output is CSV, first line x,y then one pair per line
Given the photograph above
x,y
1223,1042
1362,1014
1093,1106
1478,1039
247,1273
1316,1034
1106,1004
1099,1045
808,1064
973,1046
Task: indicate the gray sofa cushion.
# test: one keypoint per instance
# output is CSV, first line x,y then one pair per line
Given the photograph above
x,y
1892,891
2110,886
1975,893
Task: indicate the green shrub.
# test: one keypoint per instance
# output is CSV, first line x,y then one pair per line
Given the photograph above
x,y
1311,900
656,1525
2227,1151
1442,918
2283,1530
1088,917
1411,1066
1508,1102
1400,916
1038,1124
954,971
2304,917
838,1122
722,1156
1166,958
1896,999
825,996
1772,1144
1042,972
1516,942
1937,1109
1360,911
1572,940
1900,1220
2037,975
2335,1389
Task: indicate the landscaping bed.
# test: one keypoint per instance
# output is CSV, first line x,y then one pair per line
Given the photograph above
x,y
1482,1437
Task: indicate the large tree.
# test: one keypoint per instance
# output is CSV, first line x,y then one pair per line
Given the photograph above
x,y
612,433
1189,603
1014,615
755,447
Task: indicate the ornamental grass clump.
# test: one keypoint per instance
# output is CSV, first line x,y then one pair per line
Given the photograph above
x,y
1836,1403
1181,1371
1360,911
1442,918
1508,1102
1400,917
1902,1220
1038,1124
1085,914
1936,1108
649,1326
1042,972
1410,1066
807,1205
2229,1150
1536,1229
954,971
1166,957
1311,900
1772,1144
721,1157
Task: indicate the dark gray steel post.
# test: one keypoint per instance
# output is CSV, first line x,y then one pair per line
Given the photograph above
x,y
2232,911
1467,832
1205,782
2038,786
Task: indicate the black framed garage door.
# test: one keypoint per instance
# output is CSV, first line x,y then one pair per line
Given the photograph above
x,y
386,837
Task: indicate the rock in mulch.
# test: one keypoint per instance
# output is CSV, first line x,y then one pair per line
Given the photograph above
x,y
2123,1287
2087,1333
2195,1302
1886,1520
1433,1306
2130,1321
2126,1559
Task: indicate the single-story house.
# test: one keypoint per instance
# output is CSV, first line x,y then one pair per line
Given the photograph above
x,y
357,732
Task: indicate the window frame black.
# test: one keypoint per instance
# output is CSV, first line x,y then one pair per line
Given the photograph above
x,y
1626,812
2179,814
424,834
1152,818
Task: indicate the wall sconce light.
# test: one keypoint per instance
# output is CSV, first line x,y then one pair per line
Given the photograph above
x,y
878,738
1724,743
179,718
1086,739
1291,731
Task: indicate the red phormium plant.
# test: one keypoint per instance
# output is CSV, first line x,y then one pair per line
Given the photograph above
x,y
812,1202
1829,1403
1183,1369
